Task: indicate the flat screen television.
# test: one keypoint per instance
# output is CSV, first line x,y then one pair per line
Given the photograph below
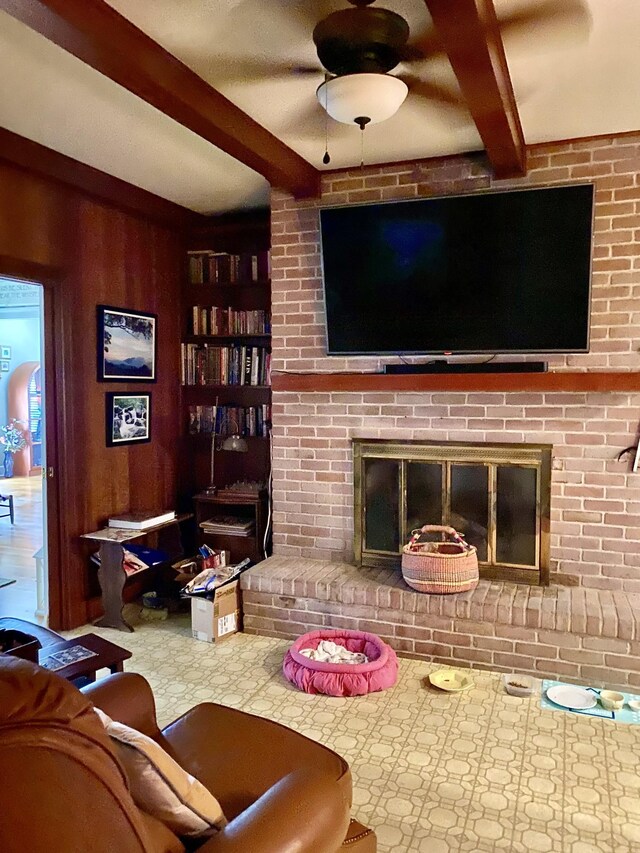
x,y
495,272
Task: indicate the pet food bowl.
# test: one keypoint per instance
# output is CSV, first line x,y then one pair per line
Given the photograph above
x,y
153,601
518,685
611,700
634,704
450,680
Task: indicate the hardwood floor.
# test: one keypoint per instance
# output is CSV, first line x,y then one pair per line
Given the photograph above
x,y
18,543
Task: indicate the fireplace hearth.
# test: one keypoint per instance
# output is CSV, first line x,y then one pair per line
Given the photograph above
x,y
496,495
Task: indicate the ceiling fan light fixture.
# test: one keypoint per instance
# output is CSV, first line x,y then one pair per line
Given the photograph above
x,y
353,97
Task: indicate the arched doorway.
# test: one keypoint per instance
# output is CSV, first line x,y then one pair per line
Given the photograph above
x,y
24,402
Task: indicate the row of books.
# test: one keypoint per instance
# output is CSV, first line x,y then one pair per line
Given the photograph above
x,y
233,365
223,268
230,420
228,525
229,321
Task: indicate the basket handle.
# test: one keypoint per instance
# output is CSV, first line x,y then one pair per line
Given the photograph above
x,y
445,529
438,528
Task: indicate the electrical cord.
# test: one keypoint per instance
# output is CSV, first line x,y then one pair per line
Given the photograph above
x,y
267,526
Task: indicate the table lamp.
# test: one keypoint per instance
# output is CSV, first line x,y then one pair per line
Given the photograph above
x,y
234,442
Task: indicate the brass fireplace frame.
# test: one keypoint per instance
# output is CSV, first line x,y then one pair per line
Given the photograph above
x,y
537,456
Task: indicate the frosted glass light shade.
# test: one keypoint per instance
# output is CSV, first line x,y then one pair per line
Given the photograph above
x,y
375,97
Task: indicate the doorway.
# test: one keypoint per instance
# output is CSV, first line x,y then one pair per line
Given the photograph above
x,y
23,528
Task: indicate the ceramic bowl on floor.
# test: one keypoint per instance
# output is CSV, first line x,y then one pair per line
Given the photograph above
x,y
611,700
450,680
634,704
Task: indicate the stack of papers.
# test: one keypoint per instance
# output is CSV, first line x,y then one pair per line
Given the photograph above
x,y
228,525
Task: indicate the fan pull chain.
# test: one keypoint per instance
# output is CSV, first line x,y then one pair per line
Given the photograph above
x,y
362,122
326,159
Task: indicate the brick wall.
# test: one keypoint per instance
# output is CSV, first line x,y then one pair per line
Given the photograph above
x,y
595,530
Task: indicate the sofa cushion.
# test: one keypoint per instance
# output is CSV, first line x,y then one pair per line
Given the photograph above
x,y
161,787
241,756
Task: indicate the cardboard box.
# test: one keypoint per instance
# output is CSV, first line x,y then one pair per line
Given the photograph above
x,y
215,620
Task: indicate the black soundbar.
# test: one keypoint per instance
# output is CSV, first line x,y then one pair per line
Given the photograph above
x,y
470,367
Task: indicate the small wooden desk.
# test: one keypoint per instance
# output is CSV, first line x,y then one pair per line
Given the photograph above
x,y
112,576
106,655
245,506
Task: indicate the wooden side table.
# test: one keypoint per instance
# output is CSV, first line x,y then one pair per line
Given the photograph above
x,y
245,506
112,576
106,655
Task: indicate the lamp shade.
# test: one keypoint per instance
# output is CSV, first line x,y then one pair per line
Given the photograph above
x,y
371,97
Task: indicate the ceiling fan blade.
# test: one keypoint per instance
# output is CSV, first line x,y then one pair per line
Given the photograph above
x,y
279,25
549,21
427,45
238,69
553,23
309,123
433,92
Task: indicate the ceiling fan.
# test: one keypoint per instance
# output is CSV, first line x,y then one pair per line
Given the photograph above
x,y
357,47
360,45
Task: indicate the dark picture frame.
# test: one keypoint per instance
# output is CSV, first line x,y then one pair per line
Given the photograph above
x,y
127,345
127,418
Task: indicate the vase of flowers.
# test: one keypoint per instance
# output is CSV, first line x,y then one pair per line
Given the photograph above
x,y
12,440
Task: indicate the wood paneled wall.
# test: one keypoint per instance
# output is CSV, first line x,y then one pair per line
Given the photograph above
x,y
90,253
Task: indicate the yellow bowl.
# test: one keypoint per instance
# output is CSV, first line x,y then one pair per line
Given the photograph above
x,y
451,680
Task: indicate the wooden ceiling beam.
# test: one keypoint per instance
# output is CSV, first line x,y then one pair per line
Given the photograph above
x,y
94,32
470,34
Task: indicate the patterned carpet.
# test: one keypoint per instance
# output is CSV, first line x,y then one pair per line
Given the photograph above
x,y
478,771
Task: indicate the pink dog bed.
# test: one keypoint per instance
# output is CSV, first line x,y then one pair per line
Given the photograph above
x,y
344,679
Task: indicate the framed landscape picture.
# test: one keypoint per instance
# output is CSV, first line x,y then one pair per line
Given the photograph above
x,y
127,345
128,418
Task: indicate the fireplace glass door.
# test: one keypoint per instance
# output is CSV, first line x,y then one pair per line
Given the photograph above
x,y
496,495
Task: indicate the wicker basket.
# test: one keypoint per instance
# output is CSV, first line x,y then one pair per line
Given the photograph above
x,y
440,567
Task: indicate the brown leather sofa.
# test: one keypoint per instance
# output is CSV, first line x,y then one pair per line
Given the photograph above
x,y
65,791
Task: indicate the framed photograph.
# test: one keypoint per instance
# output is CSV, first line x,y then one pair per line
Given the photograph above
x,y
127,345
128,418
5,352
4,366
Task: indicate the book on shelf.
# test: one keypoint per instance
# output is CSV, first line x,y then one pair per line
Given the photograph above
x,y
207,267
228,525
212,320
140,520
247,421
237,364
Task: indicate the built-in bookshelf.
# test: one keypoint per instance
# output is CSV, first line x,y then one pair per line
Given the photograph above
x,y
247,421
219,268
225,322
226,357
236,364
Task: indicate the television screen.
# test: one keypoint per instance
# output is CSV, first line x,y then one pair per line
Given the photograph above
x,y
504,272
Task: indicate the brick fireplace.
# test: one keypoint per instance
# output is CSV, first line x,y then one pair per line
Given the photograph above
x,y
595,499
496,495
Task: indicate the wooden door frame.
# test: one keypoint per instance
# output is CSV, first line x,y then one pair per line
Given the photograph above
x,y
53,332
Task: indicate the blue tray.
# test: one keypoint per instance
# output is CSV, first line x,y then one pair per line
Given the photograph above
x,y
625,715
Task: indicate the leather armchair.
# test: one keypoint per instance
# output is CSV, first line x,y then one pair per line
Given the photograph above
x,y
65,790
